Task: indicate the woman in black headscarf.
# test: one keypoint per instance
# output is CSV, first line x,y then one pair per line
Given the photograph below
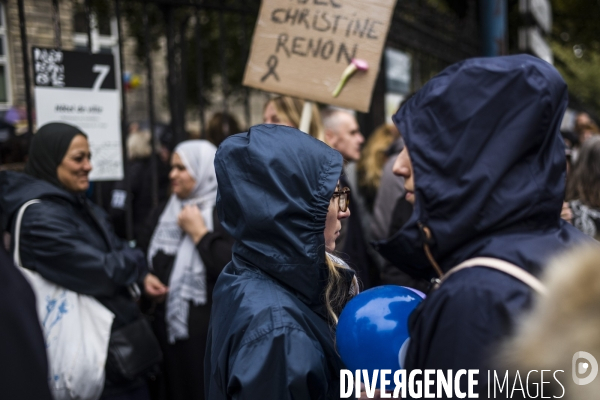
x,y
49,148
68,240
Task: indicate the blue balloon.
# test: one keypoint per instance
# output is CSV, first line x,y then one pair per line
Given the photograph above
x,y
372,331
421,294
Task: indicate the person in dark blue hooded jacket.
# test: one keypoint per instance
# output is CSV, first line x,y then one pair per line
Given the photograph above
x,y
485,165
276,304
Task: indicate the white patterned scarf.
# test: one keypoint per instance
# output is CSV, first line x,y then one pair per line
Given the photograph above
x,y
188,277
585,218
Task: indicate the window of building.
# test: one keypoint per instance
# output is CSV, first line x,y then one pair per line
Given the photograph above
x,y
104,33
5,92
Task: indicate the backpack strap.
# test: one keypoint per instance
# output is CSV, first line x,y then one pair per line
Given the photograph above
x,y
16,253
499,265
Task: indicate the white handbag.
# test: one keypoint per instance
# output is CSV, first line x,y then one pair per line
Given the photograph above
x,y
76,330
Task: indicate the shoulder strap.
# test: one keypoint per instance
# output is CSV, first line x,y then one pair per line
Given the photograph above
x,y
17,254
503,266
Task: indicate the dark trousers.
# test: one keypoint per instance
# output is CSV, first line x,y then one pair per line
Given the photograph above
x,y
140,393
182,368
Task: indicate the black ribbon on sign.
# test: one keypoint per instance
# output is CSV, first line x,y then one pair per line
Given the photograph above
x,y
272,64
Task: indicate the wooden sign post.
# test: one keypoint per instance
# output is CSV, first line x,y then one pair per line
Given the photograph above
x,y
301,48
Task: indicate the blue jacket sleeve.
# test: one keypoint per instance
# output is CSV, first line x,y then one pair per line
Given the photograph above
x,y
282,364
57,249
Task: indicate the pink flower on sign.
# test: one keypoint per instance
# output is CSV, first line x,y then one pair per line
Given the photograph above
x,y
355,65
361,65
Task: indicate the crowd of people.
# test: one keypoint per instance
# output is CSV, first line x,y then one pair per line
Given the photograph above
x,y
234,284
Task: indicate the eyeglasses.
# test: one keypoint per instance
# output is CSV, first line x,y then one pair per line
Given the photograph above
x,y
344,198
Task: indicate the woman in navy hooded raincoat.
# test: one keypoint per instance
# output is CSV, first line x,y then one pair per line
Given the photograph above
x,y
275,305
488,166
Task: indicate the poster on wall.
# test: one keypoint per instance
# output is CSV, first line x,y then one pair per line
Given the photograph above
x,y
80,89
303,48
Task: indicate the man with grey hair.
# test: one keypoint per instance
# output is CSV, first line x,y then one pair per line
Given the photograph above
x,y
343,134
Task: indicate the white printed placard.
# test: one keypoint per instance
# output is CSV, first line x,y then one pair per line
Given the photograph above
x,y
80,89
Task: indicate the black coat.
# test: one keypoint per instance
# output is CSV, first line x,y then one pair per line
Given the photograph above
x,y
214,249
183,361
69,241
353,245
23,362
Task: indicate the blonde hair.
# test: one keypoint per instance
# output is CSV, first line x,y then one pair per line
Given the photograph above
x,y
373,158
337,292
289,110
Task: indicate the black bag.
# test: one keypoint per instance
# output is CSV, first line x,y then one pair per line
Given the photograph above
x,y
133,351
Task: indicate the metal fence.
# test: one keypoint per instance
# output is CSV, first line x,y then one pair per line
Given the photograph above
x,y
177,54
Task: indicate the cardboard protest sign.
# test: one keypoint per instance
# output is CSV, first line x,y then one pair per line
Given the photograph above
x,y
301,48
80,89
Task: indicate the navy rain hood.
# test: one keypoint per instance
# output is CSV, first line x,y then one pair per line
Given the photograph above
x,y
269,336
489,172
488,161
274,200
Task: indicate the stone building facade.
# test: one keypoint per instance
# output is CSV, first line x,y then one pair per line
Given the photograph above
x,y
41,33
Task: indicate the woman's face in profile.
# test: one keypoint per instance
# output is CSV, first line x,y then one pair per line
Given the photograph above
x,y
333,224
182,182
403,167
74,169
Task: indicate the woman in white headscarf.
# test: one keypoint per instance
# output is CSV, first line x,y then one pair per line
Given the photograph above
x,y
186,252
